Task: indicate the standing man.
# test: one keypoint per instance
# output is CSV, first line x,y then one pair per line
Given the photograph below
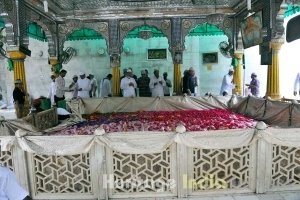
x,y
143,85
156,84
168,84
19,98
52,89
93,85
192,83
84,86
10,189
74,87
297,85
123,76
105,86
60,87
227,83
128,84
254,85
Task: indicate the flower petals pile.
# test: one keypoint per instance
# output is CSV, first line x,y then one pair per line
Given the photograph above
x,y
193,120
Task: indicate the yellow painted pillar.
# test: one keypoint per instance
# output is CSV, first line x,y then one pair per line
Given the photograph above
x,y
273,80
177,79
237,75
116,80
18,59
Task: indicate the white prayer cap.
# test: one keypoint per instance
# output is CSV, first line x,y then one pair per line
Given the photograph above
x,y
81,73
128,70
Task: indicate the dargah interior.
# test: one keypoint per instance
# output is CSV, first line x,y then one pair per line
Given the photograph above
x,y
179,146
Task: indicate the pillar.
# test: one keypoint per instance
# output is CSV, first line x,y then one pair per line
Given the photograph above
x,y
53,62
177,78
116,80
237,75
18,59
273,87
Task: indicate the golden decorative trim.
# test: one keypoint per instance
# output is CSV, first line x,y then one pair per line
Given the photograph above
x,y
16,55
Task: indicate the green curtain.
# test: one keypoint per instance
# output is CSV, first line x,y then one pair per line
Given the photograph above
x,y
35,31
206,30
84,34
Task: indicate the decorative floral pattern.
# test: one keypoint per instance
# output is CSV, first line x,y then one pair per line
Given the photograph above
x,y
193,120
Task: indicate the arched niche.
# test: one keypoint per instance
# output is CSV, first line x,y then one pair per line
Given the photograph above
x,y
144,32
88,34
147,47
64,30
202,53
50,36
90,57
221,21
164,25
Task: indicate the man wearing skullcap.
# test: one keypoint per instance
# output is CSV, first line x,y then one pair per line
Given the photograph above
x,y
227,83
84,86
74,87
128,84
19,98
254,85
157,84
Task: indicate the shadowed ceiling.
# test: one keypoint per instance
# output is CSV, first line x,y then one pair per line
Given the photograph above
x,y
105,9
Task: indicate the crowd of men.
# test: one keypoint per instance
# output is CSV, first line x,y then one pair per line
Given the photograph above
x,y
83,86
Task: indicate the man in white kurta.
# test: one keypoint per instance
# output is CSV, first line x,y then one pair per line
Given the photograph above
x,y
84,86
157,84
52,89
105,86
227,83
128,85
74,87
297,85
9,187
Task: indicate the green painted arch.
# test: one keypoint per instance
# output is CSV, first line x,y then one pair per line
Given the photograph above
x,y
134,33
206,29
291,10
36,31
84,34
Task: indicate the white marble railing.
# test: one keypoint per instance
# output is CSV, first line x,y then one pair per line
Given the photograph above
x,y
269,162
